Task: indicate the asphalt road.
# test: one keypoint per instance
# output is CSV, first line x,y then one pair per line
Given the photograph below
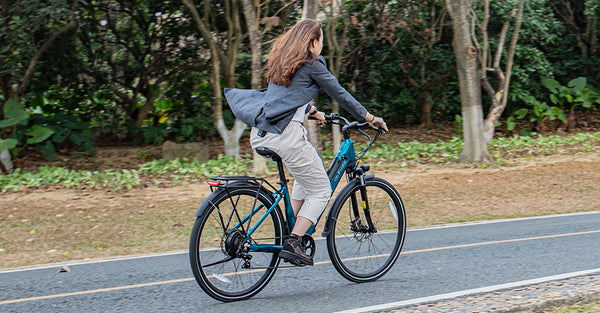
x,y
434,261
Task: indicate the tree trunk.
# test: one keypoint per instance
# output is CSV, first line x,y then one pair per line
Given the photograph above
x,y
500,98
571,121
230,137
474,148
251,14
426,121
336,46
6,165
310,11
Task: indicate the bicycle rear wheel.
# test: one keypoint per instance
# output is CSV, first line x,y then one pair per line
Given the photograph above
x,y
223,257
362,251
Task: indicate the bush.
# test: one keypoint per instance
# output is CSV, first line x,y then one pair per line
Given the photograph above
x,y
44,133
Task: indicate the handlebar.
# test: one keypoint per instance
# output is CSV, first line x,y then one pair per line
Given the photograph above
x,y
336,118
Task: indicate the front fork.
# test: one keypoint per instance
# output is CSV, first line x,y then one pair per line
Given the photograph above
x,y
365,224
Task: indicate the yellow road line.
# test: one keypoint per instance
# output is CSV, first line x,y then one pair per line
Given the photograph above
x,y
70,294
77,293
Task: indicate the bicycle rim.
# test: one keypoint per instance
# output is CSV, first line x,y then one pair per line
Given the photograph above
x,y
360,255
223,265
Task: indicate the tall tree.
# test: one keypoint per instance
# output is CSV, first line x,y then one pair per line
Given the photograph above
x,y
420,30
224,48
582,18
134,47
28,29
498,96
474,148
252,16
335,33
314,135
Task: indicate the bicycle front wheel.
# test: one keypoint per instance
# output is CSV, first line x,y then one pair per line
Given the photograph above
x,y
364,243
227,262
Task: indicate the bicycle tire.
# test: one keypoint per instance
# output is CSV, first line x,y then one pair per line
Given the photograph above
x,y
359,255
214,239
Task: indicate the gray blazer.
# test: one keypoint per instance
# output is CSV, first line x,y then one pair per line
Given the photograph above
x,y
272,109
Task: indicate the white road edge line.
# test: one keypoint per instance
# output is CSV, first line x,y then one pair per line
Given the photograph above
x,y
451,295
133,257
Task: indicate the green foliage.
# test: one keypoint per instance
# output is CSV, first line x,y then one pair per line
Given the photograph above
x,y
124,53
576,94
42,132
67,131
516,145
155,134
414,151
157,172
16,123
7,144
14,114
458,120
384,154
540,113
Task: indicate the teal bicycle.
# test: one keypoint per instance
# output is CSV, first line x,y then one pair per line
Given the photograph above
x,y
240,227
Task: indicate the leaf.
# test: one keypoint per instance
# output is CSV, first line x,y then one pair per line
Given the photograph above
x,y
6,144
569,98
510,123
14,113
551,84
47,150
521,113
577,83
37,102
38,133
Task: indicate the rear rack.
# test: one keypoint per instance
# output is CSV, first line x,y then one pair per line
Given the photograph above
x,y
216,181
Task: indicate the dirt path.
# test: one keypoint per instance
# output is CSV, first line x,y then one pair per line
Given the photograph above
x,y
59,225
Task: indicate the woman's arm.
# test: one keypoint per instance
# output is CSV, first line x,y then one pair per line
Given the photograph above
x,y
329,83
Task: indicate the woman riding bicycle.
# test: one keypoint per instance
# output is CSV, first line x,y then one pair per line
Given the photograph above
x,y
296,72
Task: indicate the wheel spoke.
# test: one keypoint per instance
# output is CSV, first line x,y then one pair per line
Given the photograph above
x,y
364,248
218,262
223,264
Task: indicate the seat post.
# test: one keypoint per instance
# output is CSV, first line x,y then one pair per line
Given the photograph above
x,y
271,155
282,179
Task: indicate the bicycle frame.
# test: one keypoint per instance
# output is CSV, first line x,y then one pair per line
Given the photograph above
x,y
344,158
345,161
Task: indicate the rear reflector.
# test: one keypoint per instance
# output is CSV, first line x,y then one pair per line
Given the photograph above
x,y
214,183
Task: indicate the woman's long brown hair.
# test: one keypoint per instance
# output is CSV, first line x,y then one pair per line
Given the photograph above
x,y
291,50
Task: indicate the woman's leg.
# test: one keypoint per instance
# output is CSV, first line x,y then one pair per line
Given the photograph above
x,y
311,190
296,205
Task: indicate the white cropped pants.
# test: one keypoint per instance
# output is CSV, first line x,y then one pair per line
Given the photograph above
x,y
311,182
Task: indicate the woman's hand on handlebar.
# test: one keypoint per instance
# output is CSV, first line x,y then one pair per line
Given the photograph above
x,y
376,122
319,118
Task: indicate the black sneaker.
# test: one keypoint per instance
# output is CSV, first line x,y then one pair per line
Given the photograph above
x,y
292,252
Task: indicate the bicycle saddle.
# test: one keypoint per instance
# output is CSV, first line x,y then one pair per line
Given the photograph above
x,y
267,153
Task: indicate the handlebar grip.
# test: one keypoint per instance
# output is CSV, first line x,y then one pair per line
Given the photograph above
x,y
328,117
